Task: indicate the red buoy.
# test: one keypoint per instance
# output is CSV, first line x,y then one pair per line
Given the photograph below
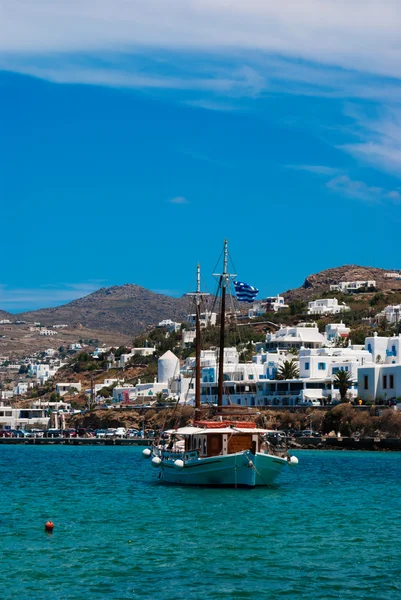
x,y
49,526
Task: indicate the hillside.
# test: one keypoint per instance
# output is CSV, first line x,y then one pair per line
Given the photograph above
x,y
6,315
320,282
127,309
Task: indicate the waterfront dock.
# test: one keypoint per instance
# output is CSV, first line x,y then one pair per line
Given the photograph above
x,y
76,441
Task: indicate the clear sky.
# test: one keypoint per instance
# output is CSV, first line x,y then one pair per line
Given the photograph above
x,y
135,136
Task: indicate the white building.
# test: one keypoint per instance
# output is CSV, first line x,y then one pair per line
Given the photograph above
x,y
66,388
122,361
389,275
269,304
170,383
188,337
100,351
75,347
335,332
59,406
21,388
351,286
382,380
303,335
256,384
206,318
169,325
326,306
391,313
275,303
47,332
384,350
42,371
17,418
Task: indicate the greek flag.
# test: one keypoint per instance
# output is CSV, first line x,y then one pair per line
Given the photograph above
x,y
245,292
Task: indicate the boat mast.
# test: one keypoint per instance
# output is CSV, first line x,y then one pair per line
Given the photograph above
x,y
198,344
224,282
198,299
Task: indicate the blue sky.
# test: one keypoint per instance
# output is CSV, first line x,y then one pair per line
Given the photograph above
x,y
136,136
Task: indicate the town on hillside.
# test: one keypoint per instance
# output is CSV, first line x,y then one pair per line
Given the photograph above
x,y
283,354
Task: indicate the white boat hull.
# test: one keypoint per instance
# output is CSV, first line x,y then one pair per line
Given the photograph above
x,y
243,469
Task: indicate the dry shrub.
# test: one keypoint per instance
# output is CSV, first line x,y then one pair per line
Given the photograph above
x,y
390,422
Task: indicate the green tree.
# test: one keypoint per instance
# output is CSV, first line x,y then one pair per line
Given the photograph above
x,y
297,307
288,370
343,381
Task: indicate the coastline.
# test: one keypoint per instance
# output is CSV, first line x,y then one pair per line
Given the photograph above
x,y
315,443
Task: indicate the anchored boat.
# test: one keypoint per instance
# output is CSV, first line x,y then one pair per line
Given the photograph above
x,y
221,452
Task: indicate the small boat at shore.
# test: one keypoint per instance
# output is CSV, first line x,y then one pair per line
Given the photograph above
x,y
221,451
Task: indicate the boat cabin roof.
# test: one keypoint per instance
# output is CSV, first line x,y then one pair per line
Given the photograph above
x,y
231,430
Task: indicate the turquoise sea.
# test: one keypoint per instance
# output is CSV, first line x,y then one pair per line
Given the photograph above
x,y
330,529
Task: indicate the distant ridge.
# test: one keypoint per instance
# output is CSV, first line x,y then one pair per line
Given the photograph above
x,y
320,282
127,309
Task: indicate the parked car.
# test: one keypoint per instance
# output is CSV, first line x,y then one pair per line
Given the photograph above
x,y
120,432
52,433
69,433
307,433
18,433
132,433
110,433
100,433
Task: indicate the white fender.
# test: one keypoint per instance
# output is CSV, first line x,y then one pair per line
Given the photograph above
x,y
156,462
179,464
147,453
293,461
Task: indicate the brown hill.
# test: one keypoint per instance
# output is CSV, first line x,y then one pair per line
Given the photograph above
x,y
127,309
6,315
320,282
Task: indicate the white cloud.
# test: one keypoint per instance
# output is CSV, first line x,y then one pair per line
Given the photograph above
x,y
361,34
379,142
316,169
178,200
359,190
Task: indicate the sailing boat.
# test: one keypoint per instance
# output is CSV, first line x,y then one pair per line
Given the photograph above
x,y
224,452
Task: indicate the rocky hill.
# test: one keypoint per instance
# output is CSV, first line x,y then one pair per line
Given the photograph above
x,y
6,315
127,309
320,282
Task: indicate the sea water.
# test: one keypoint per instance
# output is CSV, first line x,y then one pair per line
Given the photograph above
x,y
329,529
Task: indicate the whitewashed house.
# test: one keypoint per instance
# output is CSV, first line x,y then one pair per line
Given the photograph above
x,y
66,388
383,378
326,306
206,318
335,332
188,337
351,286
20,418
275,303
21,388
391,313
303,335
169,325
169,382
